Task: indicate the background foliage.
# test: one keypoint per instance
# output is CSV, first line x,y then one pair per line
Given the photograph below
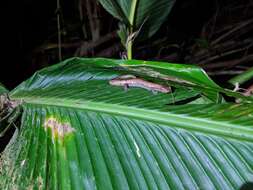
x,y
194,32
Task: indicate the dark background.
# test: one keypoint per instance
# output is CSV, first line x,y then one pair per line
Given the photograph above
x,y
30,26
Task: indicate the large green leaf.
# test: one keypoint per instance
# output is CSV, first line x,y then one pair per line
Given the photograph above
x,y
150,13
78,132
186,78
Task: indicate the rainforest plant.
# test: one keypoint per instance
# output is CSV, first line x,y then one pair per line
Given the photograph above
x,y
78,130
139,19
95,123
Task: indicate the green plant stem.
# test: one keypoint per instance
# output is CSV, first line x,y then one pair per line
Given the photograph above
x,y
240,79
129,48
131,20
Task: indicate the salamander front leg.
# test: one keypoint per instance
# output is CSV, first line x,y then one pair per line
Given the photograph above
x,y
126,87
154,92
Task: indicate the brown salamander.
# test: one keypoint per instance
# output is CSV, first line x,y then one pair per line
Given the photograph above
x,y
131,81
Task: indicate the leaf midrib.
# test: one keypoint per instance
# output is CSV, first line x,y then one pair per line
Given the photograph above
x,y
202,125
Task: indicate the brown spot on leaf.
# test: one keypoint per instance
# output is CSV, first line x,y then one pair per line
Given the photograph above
x,y
58,128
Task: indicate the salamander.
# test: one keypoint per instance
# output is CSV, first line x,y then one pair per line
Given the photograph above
x,y
132,81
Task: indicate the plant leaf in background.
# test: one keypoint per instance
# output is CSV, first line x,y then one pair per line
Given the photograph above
x,y
2,89
3,111
242,78
153,11
140,19
79,132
